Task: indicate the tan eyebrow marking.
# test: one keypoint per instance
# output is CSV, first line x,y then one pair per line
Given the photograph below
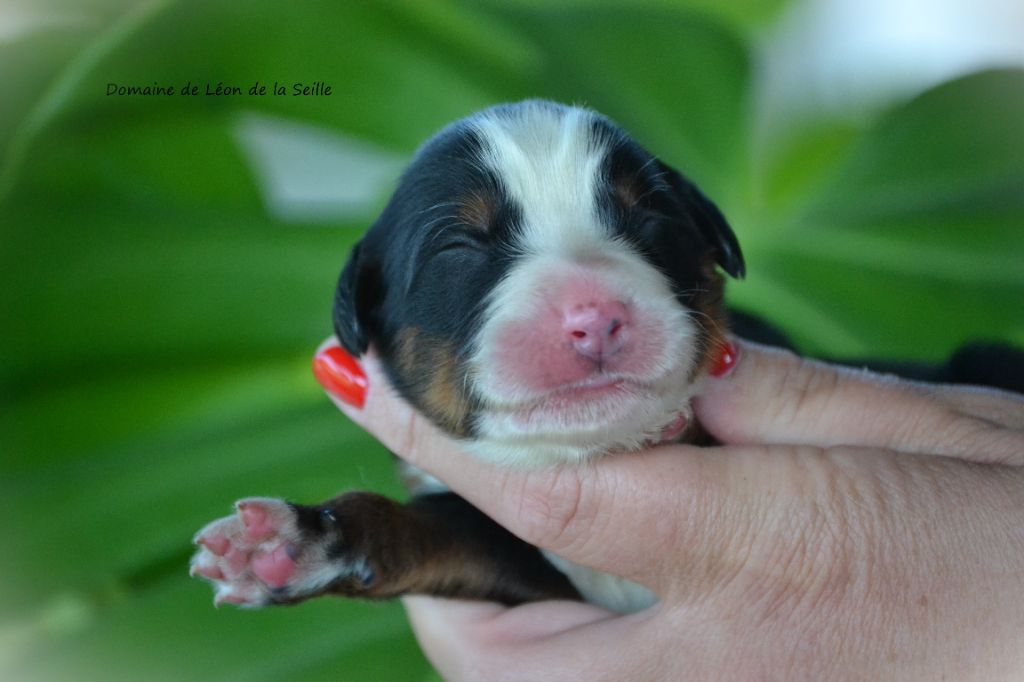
x,y
627,190
432,370
476,209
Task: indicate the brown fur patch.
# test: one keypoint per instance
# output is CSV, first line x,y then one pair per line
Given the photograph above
x,y
710,309
442,546
434,377
627,190
476,210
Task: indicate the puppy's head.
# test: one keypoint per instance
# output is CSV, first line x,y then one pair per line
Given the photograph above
x,y
542,286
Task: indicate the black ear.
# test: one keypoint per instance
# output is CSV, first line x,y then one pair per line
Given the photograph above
x,y
353,300
709,220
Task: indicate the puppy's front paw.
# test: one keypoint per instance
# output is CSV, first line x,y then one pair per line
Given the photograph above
x,y
273,552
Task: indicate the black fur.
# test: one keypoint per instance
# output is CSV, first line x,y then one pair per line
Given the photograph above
x,y
425,267
436,544
710,221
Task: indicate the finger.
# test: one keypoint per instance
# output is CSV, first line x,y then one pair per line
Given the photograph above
x,y
994,405
545,640
446,630
441,618
612,517
774,397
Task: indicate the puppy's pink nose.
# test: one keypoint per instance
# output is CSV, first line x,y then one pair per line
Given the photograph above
x,y
597,330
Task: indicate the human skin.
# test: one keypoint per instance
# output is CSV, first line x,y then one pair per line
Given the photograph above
x,y
851,526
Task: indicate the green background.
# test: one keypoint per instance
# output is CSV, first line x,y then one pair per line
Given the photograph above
x,y
160,303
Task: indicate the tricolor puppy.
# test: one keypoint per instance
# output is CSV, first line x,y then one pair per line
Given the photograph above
x,y
541,287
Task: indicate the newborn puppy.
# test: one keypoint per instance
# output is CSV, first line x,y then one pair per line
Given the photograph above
x,y
542,288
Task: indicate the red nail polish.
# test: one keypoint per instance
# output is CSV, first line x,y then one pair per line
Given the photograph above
x,y
725,361
340,374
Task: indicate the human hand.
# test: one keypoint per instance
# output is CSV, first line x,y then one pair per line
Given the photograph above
x,y
853,526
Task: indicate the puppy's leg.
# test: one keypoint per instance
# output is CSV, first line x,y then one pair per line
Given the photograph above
x,y
364,545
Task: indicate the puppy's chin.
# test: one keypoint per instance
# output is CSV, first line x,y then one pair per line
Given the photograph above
x,y
582,424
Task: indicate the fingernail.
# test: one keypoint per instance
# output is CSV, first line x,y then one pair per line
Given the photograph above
x,y
725,361
340,374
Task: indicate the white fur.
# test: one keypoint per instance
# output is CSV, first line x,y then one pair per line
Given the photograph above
x,y
604,589
549,161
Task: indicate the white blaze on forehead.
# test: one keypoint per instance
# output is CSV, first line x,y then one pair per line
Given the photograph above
x,y
549,160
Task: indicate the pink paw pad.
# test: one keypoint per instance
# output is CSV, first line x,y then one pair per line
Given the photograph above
x,y
252,555
207,571
274,568
217,544
256,520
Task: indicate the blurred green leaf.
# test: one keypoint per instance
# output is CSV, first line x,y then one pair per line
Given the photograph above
x,y
677,78
166,633
917,225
